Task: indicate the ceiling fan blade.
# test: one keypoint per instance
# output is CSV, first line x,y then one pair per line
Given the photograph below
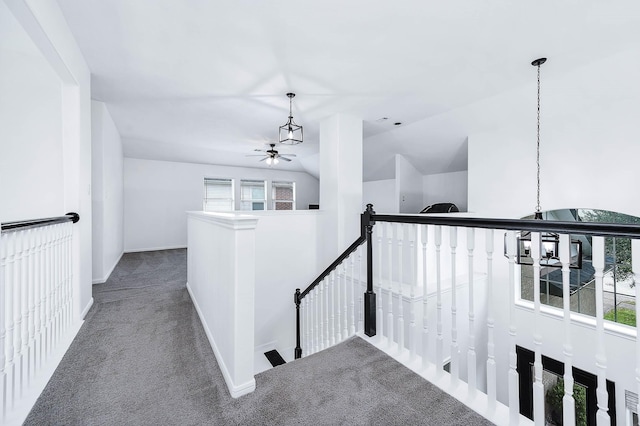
x,y
264,158
254,155
284,158
288,155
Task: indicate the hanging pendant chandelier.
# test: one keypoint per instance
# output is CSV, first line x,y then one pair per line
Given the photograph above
x,y
549,241
290,132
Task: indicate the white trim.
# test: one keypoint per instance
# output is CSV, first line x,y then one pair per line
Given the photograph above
x,y
18,415
235,390
138,250
85,311
108,274
235,221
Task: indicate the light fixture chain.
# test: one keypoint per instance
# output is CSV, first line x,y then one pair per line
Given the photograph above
x,y
538,145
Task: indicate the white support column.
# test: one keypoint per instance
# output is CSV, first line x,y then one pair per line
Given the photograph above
x,y
424,231
538,386
439,338
390,322
597,254
568,403
412,289
635,266
491,360
400,239
514,391
471,353
455,351
340,182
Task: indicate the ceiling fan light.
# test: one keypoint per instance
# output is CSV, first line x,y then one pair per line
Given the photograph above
x,y
275,161
269,160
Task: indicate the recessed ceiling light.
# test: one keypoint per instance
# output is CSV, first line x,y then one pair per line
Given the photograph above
x,y
397,123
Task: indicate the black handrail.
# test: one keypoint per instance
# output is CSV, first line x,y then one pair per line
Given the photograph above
x,y
535,225
37,223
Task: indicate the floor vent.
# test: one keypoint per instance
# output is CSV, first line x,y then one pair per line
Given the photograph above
x,y
275,358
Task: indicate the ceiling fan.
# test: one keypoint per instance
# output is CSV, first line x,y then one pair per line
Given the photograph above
x,y
271,156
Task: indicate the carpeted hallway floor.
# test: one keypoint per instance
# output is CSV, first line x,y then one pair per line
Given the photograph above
x,y
142,358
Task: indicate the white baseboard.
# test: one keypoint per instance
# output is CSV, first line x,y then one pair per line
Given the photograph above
x,y
108,274
22,408
137,250
85,311
236,391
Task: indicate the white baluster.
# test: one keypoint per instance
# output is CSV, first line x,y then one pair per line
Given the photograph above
x,y
307,327
345,302
538,386
491,361
455,351
321,336
568,403
49,289
69,226
37,316
400,238
635,267
412,290
361,291
439,338
602,416
380,315
514,392
352,300
325,328
332,308
10,283
424,231
471,353
390,321
3,325
58,295
17,311
314,322
338,304
31,306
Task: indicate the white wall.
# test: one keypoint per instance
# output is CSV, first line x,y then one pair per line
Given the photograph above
x,y
382,194
49,142
158,193
408,186
589,147
31,164
107,194
446,188
286,259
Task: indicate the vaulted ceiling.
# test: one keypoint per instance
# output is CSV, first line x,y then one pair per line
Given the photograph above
x,y
205,81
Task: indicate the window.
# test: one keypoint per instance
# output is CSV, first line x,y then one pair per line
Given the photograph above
x,y
218,195
284,195
253,195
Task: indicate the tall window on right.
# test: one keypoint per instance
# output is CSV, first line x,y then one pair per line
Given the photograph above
x,y
283,195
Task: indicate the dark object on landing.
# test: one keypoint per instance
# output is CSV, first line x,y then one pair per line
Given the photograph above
x,y
441,208
275,358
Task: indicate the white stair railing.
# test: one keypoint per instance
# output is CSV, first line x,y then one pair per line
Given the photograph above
x,y
35,303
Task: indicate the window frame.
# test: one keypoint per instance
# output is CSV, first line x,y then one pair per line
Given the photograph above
x,y
230,199
274,185
253,200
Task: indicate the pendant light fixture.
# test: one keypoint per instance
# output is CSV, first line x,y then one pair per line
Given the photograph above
x,y
290,132
550,242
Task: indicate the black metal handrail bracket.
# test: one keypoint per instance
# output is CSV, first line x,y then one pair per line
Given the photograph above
x,y
366,226
37,223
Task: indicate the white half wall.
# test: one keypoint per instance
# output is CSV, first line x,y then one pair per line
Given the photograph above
x,y
446,188
108,192
158,193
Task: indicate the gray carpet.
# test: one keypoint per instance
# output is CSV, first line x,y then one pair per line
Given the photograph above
x,y
142,358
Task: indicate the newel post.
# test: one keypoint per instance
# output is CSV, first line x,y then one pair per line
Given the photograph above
x,y
298,349
369,296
